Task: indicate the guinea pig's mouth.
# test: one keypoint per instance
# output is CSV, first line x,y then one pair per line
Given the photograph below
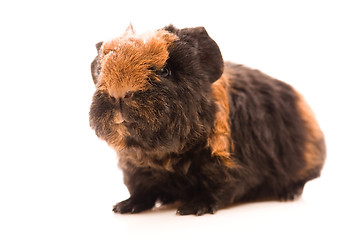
x,y
118,118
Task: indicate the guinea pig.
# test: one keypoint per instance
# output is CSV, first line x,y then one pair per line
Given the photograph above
x,y
192,129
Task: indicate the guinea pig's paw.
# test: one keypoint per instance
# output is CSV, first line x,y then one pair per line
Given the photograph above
x,y
133,205
197,208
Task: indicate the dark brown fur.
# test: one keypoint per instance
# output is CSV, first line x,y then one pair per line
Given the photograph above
x,y
187,127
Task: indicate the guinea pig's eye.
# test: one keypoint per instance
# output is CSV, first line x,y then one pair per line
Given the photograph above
x,y
164,72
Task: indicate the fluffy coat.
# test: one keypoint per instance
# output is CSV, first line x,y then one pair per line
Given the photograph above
x,y
188,127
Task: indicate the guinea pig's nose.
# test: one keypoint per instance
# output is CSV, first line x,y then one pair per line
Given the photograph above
x,y
128,95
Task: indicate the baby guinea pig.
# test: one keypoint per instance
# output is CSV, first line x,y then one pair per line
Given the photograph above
x,y
191,129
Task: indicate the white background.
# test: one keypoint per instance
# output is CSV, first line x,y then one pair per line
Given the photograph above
x,y
58,181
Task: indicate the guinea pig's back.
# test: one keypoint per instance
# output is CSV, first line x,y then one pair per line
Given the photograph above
x,y
273,130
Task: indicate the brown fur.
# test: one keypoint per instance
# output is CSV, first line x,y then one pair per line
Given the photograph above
x,y
314,147
131,57
220,140
116,138
185,132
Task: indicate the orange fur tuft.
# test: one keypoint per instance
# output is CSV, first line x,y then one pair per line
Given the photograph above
x,y
314,147
126,62
220,140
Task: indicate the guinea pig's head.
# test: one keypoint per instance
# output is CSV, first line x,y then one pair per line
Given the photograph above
x,y
154,91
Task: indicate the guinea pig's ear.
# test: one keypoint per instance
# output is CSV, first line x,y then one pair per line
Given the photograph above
x,y
209,54
95,66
